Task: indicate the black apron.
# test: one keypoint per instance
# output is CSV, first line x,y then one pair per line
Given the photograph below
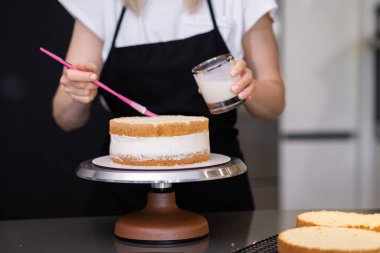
x,y
158,76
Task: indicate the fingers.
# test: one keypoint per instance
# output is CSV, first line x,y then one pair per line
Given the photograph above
x,y
78,92
238,68
79,76
248,92
244,88
89,67
81,95
78,83
67,81
244,81
82,99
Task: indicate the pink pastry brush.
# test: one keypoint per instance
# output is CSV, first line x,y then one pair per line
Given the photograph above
x,y
136,106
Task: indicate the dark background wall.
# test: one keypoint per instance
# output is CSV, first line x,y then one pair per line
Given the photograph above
x,y
37,159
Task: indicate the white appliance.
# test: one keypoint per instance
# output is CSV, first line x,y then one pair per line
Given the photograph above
x,y
329,151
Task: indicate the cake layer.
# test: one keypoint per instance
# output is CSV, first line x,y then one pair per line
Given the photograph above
x,y
163,161
329,240
339,219
158,126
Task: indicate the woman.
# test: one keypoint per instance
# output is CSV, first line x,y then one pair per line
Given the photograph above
x,y
146,50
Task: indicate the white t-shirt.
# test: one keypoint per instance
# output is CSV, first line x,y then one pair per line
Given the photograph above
x,y
167,20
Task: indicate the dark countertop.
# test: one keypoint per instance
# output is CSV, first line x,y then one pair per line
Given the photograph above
x,y
229,231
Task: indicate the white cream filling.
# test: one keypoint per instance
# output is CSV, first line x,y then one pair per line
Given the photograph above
x,y
146,148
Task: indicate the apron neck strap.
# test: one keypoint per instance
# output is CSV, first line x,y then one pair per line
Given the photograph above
x,y
212,14
118,26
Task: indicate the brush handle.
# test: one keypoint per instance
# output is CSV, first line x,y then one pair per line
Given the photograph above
x,y
133,104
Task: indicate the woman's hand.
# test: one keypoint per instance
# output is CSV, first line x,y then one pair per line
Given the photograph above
x,y
77,83
245,87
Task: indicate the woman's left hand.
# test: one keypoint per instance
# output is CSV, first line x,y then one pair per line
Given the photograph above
x,y
245,87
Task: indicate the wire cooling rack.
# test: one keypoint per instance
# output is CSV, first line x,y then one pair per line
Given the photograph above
x,y
268,245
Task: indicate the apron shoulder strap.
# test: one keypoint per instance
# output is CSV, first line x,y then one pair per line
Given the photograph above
x,y
212,14
118,26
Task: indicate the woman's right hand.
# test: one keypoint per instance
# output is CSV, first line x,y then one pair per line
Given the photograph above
x,y
77,83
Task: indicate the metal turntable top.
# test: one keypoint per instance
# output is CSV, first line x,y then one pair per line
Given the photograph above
x,y
89,170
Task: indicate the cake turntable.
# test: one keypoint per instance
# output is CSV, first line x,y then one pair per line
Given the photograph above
x,y
161,221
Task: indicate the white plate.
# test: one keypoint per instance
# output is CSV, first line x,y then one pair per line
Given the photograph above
x,y
215,159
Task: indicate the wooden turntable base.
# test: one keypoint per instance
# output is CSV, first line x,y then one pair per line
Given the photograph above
x,y
161,221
